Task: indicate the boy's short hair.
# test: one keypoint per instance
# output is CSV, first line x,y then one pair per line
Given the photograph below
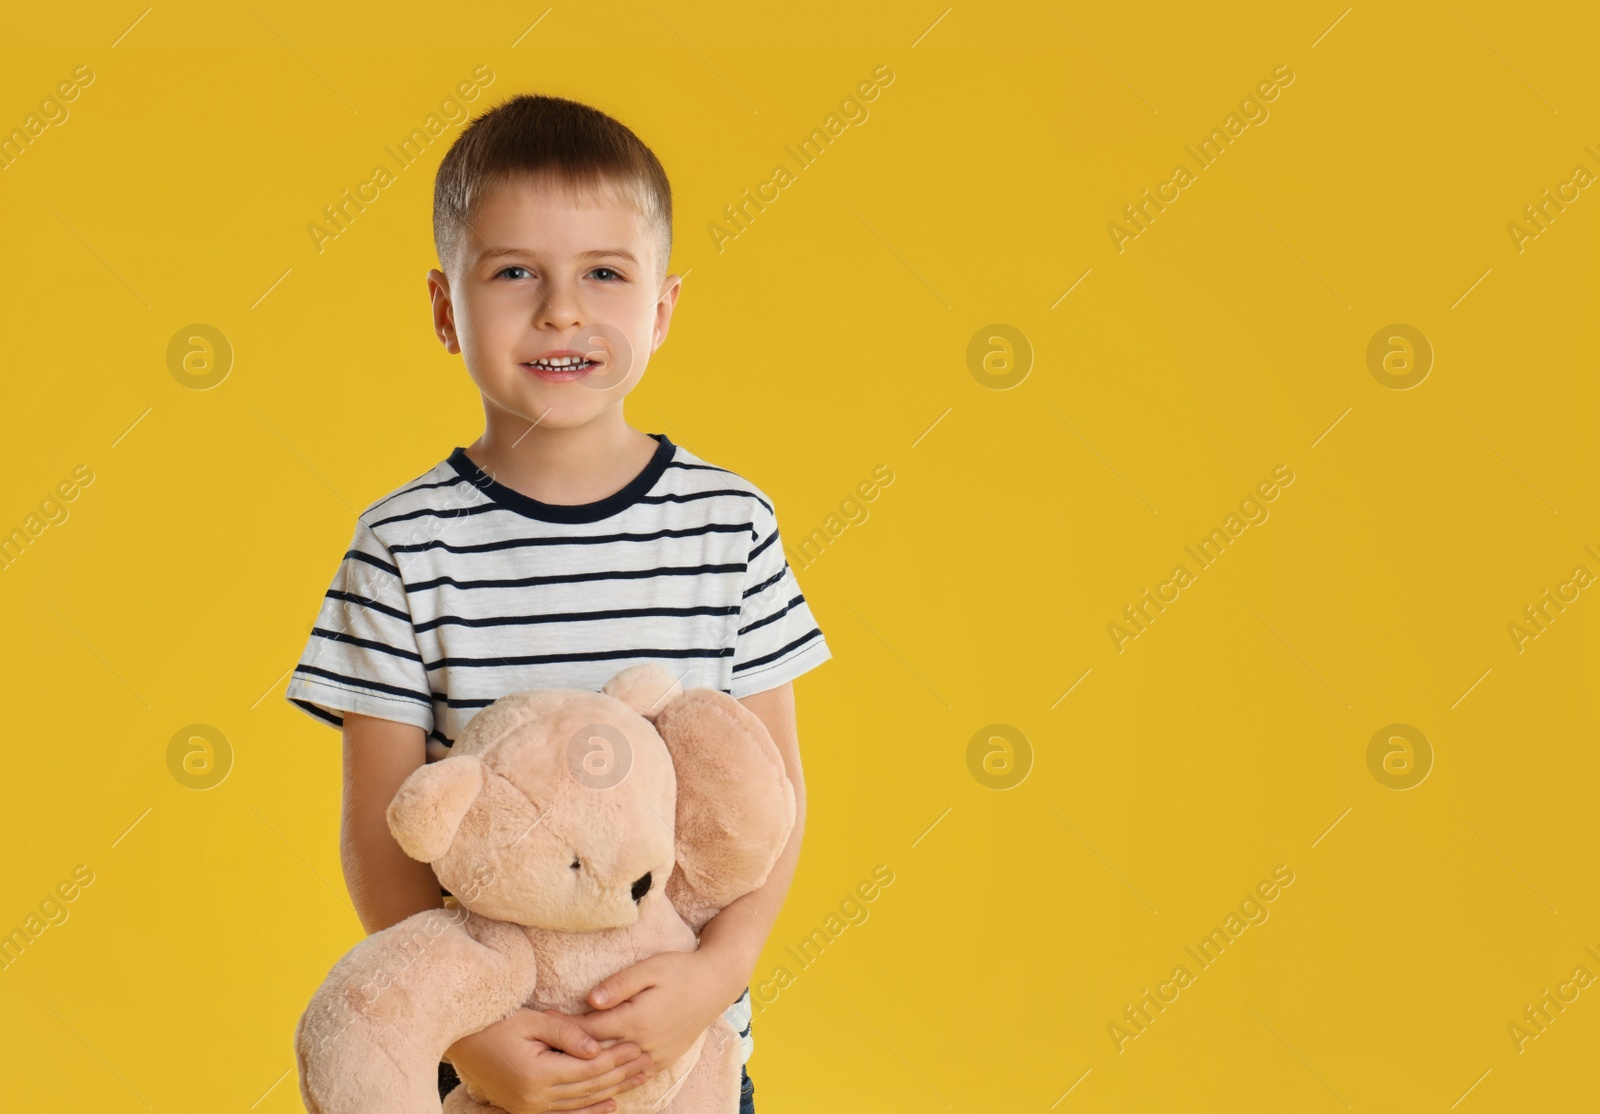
x,y
546,140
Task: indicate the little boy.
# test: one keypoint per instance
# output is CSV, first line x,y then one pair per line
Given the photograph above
x,y
560,547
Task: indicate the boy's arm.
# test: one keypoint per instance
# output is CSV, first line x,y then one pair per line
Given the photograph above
x,y
385,883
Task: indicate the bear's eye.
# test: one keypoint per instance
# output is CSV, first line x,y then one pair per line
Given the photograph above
x,y
575,864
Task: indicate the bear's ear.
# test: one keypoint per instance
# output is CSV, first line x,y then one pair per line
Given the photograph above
x,y
430,803
735,804
646,688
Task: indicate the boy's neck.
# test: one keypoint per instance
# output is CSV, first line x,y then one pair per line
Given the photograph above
x,y
564,467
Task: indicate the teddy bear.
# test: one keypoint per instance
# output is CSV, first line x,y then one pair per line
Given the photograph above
x,y
578,832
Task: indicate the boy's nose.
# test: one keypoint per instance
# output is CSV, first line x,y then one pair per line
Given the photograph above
x,y
558,306
642,886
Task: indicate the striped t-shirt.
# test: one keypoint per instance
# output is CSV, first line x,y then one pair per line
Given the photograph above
x,y
457,590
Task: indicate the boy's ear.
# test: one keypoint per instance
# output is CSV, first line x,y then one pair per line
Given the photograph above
x,y
430,803
444,314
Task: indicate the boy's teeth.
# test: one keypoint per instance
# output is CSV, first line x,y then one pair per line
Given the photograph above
x,y
563,362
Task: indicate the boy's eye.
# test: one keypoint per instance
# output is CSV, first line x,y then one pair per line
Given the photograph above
x,y
516,273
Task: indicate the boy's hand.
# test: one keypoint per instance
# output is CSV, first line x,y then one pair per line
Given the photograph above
x,y
535,1061
662,1003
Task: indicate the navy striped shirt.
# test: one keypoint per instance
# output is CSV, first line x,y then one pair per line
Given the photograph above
x,y
457,589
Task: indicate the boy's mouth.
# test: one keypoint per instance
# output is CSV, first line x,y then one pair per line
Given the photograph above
x,y
561,367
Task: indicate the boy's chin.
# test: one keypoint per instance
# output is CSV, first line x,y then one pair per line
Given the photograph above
x,y
556,405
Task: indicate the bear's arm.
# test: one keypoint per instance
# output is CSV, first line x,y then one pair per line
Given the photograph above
x,y
374,1033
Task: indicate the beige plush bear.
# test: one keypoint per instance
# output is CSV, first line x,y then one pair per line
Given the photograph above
x,y
579,832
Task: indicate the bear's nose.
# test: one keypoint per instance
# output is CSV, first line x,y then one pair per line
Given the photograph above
x,y
642,886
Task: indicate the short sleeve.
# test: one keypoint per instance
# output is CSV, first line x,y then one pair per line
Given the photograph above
x,y
362,655
778,638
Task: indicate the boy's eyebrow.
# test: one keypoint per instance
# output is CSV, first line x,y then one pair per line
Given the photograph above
x,y
619,253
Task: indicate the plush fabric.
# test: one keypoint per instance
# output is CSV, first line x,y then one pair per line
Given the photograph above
x,y
579,832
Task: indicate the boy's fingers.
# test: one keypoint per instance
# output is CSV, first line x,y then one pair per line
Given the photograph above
x,y
638,1067
628,1083
603,1107
564,1073
562,1032
620,986
604,1025
600,1087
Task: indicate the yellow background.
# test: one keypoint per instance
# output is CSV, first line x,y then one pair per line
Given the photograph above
x,y
827,340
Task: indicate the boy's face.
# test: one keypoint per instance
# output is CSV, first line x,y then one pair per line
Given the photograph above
x,y
541,272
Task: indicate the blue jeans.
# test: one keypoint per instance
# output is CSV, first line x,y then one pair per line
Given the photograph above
x,y
747,1093
747,1090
